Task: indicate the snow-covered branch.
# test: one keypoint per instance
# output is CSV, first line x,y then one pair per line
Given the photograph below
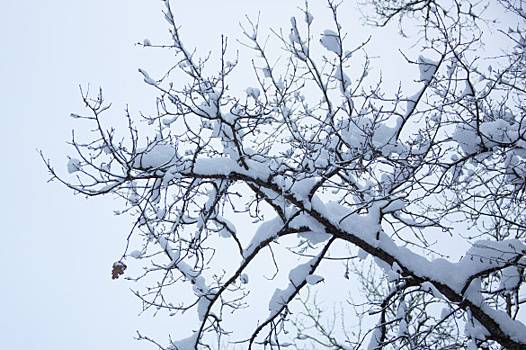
x,y
317,154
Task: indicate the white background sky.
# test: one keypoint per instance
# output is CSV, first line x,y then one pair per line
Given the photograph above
x,y
57,249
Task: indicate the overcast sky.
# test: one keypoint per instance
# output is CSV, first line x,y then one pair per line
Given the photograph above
x,y
57,248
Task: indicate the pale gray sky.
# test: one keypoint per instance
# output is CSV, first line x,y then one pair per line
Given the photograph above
x,y
57,249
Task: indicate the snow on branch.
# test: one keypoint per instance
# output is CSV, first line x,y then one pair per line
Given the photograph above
x,y
315,162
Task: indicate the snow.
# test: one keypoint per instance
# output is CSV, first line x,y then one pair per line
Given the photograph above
x,y
446,312
345,81
498,131
374,341
297,276
466,136
226,232
157,155
511,278
357,131
314,279
306,220
411,103
208,208
301,188
513,328
280,84
160,213
474,330
315,237
427,68
396,205
486,254
133,196
364,226
468,90
430,288
384,134
472,345
483,255
402,328
267,73
208,108
361,128
169,120
168,17
202,307
253,92
169,175
331,41
401,311
221,166
308,17
185,344
267,230
294,35
200,287
362,254
278,300
147,78
73,165
226,166
136,254
393,274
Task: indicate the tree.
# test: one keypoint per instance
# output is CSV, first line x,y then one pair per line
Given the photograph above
x,y
330,164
